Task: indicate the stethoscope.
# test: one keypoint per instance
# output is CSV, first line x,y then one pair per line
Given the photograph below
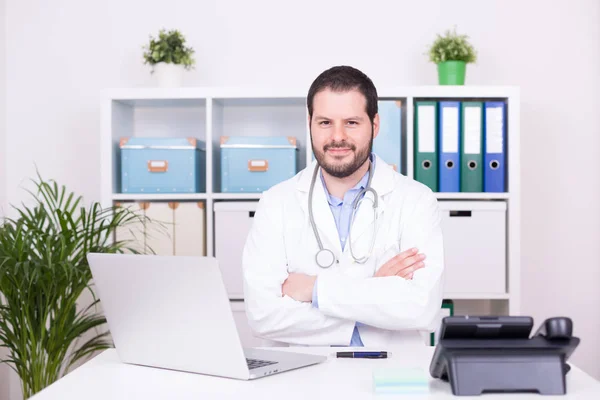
x,y
325,257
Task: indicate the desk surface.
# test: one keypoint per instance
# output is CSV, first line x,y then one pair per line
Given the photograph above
x,y
105,377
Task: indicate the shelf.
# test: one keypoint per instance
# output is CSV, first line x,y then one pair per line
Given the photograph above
x,y
472,196
151,93
451,91
256,196
477,296
236,196
159,197
158,103
260,102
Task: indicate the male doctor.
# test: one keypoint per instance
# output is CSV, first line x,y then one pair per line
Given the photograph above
x,y
376,278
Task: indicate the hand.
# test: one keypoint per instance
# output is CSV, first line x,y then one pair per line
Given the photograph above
x,y
299,286
403,264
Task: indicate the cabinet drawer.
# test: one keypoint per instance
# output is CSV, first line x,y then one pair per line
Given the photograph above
x,y
475,246
190,229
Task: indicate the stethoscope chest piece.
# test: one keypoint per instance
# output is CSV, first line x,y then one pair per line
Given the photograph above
x,y
325,258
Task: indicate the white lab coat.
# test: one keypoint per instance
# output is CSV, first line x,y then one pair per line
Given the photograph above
x,y
391,309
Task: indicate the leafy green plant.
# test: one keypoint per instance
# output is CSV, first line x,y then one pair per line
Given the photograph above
x,y
43,273
169,47
452,47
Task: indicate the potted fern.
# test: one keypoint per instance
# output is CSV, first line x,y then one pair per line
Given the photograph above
x,y
169,57
451,53
44,273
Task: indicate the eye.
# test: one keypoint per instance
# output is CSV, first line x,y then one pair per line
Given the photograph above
x,y
352,123
324,123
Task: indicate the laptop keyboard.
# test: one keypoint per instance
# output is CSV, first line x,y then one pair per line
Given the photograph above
x,y
252,363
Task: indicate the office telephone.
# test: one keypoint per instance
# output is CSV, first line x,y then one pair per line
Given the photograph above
x,y
479,354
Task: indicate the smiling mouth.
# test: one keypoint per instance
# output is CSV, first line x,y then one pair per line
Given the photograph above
x,y
339,150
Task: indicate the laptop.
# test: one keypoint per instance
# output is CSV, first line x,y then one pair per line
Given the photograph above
x,y
173,312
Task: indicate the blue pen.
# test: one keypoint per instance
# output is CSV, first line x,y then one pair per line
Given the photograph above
x,y
362,354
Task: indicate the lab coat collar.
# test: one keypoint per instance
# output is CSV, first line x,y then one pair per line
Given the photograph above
x,y
382,182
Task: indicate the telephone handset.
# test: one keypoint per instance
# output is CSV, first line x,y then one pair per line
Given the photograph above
x,y
556,328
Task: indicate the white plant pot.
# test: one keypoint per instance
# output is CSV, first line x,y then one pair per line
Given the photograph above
x,y
169,75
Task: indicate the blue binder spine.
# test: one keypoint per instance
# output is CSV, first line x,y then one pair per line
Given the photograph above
x,y
449,139
494,176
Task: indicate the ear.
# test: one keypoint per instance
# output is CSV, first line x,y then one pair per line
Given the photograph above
x,y
376,125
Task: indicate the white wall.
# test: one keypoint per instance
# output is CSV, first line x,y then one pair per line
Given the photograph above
x,y
4,368
2,106
61,53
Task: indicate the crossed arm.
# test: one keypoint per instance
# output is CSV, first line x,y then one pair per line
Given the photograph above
x,y
301,286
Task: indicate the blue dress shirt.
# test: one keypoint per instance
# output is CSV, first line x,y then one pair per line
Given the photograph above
x,y
342,212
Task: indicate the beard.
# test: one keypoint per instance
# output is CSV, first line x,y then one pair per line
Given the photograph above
x,y
347,168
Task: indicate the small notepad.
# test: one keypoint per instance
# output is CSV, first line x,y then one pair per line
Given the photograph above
x,y
400,380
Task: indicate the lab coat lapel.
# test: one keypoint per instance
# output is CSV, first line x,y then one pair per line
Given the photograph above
x,y
322,214
383,183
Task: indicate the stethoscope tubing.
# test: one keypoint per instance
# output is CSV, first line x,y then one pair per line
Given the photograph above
x,y
322,253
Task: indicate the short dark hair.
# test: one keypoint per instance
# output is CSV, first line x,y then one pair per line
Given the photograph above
x,y
342,79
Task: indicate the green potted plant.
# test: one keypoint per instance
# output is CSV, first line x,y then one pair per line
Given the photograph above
x,y
452,52
169,57
43,275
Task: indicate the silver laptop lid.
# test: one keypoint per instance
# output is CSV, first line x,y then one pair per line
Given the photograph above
x,y
169,312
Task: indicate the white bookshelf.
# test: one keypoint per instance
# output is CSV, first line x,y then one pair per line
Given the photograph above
x,y
209,113
472,196
159,197
236,196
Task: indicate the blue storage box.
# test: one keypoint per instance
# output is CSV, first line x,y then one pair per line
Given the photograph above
x,y
388,143
162,165
256,163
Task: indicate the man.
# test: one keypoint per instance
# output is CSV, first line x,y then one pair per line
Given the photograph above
x,y
372,285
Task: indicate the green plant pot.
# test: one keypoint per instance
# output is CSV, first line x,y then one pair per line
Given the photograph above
x,y
452,72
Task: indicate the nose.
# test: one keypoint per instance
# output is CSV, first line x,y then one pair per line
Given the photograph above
x,y
339,133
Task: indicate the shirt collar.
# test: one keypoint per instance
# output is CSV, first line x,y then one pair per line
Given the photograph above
x,y
334,201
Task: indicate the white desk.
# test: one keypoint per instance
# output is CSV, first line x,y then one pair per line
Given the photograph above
x,y
105,377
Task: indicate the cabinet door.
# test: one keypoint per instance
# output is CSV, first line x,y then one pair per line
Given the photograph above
x,y
132,232
233,221
159,229
475,247
189,228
